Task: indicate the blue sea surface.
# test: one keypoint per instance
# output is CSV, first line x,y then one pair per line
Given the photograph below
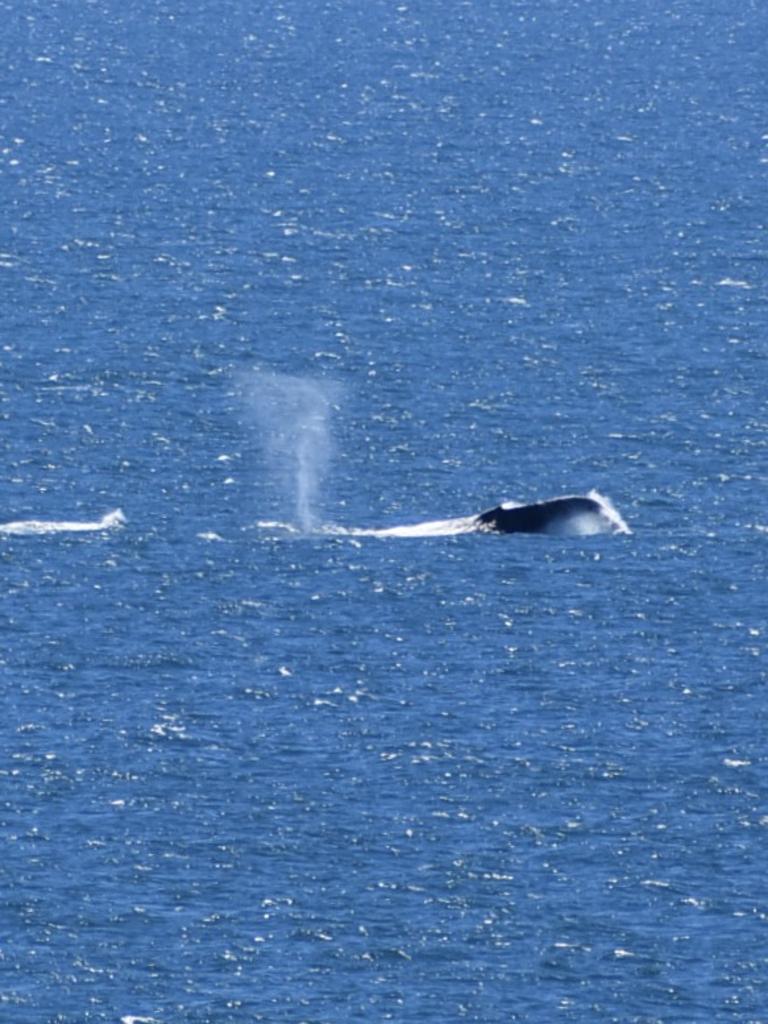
x,y
278,273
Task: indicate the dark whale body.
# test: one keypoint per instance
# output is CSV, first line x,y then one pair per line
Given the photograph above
x,y
558,515
565,516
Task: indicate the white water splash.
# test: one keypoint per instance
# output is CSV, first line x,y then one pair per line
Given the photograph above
x,y
613,518
38,526
293,415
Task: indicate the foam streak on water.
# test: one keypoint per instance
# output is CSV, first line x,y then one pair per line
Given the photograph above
x,y
432,528
40,526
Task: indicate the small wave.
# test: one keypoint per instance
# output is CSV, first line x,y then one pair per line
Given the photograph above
x,y
276,524
40,526
731,282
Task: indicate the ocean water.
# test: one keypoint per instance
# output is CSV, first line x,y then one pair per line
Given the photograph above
x,y
278,276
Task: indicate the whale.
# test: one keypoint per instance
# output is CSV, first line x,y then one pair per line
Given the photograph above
x,y
570,515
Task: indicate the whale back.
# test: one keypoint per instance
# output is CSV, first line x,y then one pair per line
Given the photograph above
x,y
577,516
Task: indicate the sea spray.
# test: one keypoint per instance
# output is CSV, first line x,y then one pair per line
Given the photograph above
x,y
293,416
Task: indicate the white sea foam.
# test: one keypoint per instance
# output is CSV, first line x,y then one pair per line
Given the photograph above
x,y
608,510
431,528
730,282
40,526
276,524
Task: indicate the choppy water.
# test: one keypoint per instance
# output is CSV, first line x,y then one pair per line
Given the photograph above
x,y
353,267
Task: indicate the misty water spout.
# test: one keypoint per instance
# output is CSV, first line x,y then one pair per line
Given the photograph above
x,y
293,415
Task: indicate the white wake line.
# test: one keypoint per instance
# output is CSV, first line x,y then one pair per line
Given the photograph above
x,y
432,528
25,527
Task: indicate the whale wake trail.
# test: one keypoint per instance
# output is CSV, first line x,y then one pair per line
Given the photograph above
x,y
567,516
431,528
27,527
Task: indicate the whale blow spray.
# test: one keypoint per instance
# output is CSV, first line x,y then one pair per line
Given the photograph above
x,y
293,415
